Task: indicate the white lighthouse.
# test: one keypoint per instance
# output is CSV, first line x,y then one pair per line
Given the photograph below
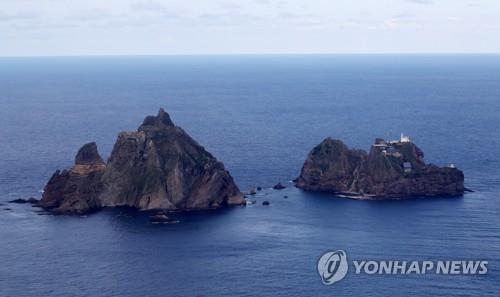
x,y
404,138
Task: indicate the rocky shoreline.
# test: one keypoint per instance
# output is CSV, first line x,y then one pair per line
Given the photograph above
x,y
390,170
160,167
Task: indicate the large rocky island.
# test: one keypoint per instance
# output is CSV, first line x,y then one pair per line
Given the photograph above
x,y
159,166
391,170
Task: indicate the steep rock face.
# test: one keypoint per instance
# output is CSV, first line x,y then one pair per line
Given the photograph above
x,y
159,166
390,170
76,190
331,165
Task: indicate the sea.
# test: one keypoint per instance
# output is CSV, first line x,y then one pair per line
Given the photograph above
x,y
260,115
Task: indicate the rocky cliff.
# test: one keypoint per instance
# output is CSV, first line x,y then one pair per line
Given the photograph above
x,y
159,166
390,170
76,190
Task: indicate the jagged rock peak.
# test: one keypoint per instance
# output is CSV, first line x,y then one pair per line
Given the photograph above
x,y
162,119
75,191
157,167
88,155
328,145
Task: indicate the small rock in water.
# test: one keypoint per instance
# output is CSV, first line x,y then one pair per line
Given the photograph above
x,y
259,188
266,203
31,200
8,209
279,186
285,196
161,218
253,191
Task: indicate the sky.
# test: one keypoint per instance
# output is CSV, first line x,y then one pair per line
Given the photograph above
x,y
161,27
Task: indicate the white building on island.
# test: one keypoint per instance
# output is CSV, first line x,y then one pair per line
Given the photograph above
x,y
404,138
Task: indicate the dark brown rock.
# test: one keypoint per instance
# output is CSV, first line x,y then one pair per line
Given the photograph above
x,y
76,191
88,155
159,166
390,170
30,200
279,186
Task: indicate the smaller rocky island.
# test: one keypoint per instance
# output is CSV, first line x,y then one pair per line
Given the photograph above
x,y
391,170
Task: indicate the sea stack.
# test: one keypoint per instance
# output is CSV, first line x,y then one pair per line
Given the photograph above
x,y
159,166
76,190
391,170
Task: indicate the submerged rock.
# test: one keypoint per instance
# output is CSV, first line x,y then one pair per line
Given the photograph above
x,y
159,166
30,200
161,218
390,170
266,203
279,186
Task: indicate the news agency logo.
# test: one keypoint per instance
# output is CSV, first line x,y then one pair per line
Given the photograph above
x,y
333,267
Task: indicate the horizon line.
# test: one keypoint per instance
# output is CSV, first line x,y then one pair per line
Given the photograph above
x,y
248,54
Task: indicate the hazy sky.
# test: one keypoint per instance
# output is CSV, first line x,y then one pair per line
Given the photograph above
x,y
111,27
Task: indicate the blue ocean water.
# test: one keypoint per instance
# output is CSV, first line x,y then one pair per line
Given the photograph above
x,y
260,115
